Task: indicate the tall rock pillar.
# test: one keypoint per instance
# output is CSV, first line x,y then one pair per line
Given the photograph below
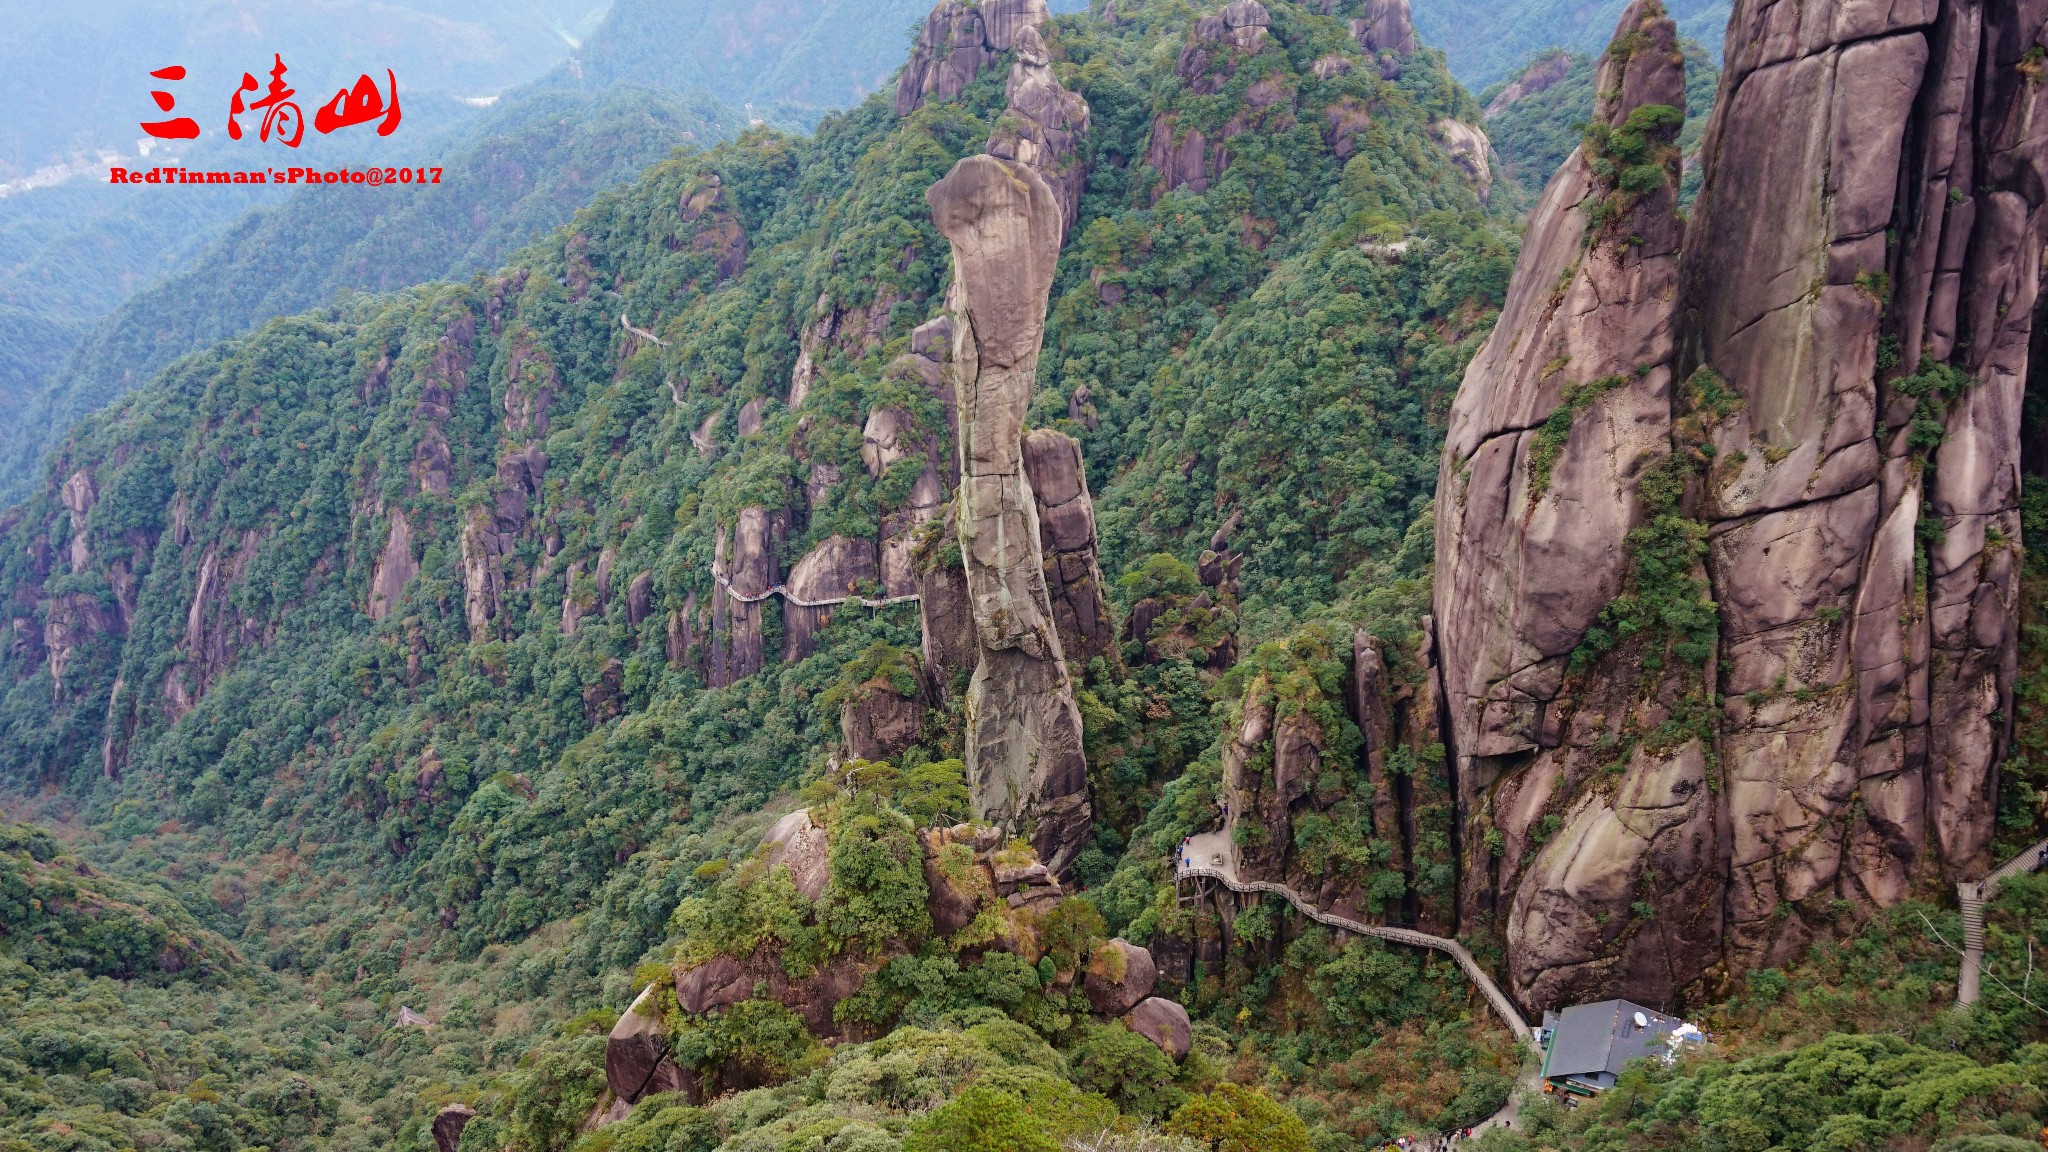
x,y
1024,753
1559,419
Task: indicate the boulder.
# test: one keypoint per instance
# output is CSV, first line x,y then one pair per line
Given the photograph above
x,y
1163,1022
448,1125
1120,974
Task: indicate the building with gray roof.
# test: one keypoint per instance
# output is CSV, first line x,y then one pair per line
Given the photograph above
x,y
1587,1045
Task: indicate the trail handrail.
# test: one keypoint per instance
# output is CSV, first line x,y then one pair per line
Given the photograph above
x,y
779,590
642,333
1504,1007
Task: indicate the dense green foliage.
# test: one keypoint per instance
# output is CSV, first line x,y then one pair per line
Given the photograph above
x,y
253,664
1856,1047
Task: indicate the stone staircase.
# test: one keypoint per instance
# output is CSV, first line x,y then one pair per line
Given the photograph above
x,y
1971,898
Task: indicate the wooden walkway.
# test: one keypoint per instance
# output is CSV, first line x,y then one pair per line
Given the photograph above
x,y
779,590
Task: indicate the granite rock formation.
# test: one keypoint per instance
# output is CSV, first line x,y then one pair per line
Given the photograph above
x,y
744,565
1043,125
1700,693
1119,975
836,568
636,1054
889,437
957,42
1024,756
878,723
448,1125
1165,1023
1066,536
1472,152
1384,26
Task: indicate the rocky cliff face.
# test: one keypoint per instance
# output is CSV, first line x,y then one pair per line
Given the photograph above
x,y
1727,520
1024,757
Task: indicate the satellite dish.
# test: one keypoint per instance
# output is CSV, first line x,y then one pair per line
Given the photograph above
x,y
1642,1021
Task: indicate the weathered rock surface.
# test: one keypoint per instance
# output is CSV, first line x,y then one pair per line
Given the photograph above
x,y
975,880
1119,975
1384,26
1043,126
716,231
395,568
1066,536
1541,75
797,843
831,571
876,723
1024,757
1205,61
1753,389
1472,152
1165,1023
746,570
1216,48
957,42
945,611
448,1125
636,1055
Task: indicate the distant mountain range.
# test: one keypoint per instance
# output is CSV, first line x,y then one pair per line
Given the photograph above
x,y
1486,40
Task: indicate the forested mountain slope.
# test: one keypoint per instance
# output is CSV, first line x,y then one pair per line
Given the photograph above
x,y
72,252
578,695
507,175
647,79
523,729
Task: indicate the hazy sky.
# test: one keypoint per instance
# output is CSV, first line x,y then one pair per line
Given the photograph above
x,y
74,76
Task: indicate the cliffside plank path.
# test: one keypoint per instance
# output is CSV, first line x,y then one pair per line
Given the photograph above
x,y
779,590
1972,898
1211,856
